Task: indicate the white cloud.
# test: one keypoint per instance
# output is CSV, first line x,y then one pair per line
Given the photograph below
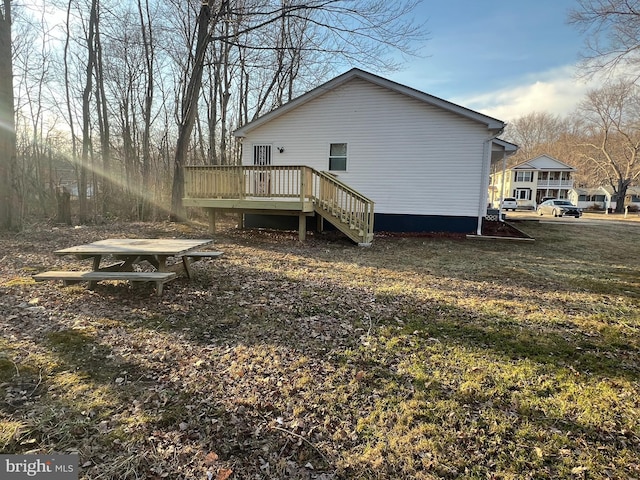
x,y
557,92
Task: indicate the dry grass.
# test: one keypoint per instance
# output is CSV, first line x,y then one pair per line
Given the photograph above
x,y
415,358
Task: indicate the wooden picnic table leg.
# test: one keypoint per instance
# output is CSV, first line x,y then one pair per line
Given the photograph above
x,y
161,263
96,267
96,262
187,266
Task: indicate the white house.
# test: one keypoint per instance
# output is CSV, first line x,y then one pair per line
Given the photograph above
x,y
596,198
632,197
424,161
532,181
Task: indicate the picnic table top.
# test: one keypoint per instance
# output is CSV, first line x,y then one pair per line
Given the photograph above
x,y
174,247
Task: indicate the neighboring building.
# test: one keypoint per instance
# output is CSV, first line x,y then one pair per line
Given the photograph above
x,y
531,181
424,161
632,197
595,198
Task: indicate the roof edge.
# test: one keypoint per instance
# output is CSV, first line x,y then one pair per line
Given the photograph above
x,y
490,122
527,164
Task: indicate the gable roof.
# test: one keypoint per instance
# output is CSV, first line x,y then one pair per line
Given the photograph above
x,y
631,190
490,122
588,190
544,162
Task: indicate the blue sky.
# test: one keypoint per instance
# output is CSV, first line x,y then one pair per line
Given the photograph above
x,y
505,58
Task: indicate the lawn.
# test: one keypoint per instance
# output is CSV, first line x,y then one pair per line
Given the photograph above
x,y
416,358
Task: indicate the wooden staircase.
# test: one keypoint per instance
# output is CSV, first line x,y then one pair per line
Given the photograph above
x,y
288,190
346,209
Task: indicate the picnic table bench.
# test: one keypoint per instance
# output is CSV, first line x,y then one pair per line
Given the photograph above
x,y
70,277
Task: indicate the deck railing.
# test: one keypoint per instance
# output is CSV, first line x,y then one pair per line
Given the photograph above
x,y
242,182
555,183
332,198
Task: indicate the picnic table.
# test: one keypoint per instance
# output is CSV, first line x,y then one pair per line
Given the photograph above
x,y
130,251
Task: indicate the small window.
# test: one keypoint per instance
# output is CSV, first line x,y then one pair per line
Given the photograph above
x,y
338,157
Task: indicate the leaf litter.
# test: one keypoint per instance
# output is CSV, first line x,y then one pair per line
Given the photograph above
x,y
307,361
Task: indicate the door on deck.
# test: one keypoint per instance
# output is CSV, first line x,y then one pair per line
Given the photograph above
x,y
262,181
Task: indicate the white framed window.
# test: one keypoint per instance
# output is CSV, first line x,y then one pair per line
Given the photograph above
x,y
524,176
338,157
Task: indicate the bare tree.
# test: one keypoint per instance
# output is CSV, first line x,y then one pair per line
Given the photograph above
x,y
535,131
611,29
361,32
115,73
104,127
9,218
149,58
189,108
86,111
611,124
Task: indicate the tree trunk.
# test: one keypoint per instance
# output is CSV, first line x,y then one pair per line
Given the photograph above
x,y
147,38
188,113
623,185
86,111
67,84
105,131
63,201
9,211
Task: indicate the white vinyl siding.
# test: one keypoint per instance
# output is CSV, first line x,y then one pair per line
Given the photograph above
x,y
406,155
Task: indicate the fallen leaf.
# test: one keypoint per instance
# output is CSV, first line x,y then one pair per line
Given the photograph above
x,y
211,458
224,473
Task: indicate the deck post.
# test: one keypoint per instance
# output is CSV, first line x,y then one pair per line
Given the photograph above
x,y
302,227
212,220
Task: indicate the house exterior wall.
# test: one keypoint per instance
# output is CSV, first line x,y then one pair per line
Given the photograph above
x,y
409,157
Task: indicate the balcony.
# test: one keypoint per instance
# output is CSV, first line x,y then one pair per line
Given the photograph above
x,y
545,183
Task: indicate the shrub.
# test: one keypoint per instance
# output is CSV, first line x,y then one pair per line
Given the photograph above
x,y
595,207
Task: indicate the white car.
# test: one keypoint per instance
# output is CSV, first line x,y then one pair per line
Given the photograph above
x,y
509,203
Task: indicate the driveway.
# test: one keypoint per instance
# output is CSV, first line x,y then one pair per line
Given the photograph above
x,y
588,218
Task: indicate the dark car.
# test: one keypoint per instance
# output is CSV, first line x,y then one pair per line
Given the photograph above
x,y
559,208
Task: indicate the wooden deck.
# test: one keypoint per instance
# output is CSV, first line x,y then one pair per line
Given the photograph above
x,y
281,190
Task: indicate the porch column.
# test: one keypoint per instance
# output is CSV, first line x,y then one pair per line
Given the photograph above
x,y
504,174
212,220
302,227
